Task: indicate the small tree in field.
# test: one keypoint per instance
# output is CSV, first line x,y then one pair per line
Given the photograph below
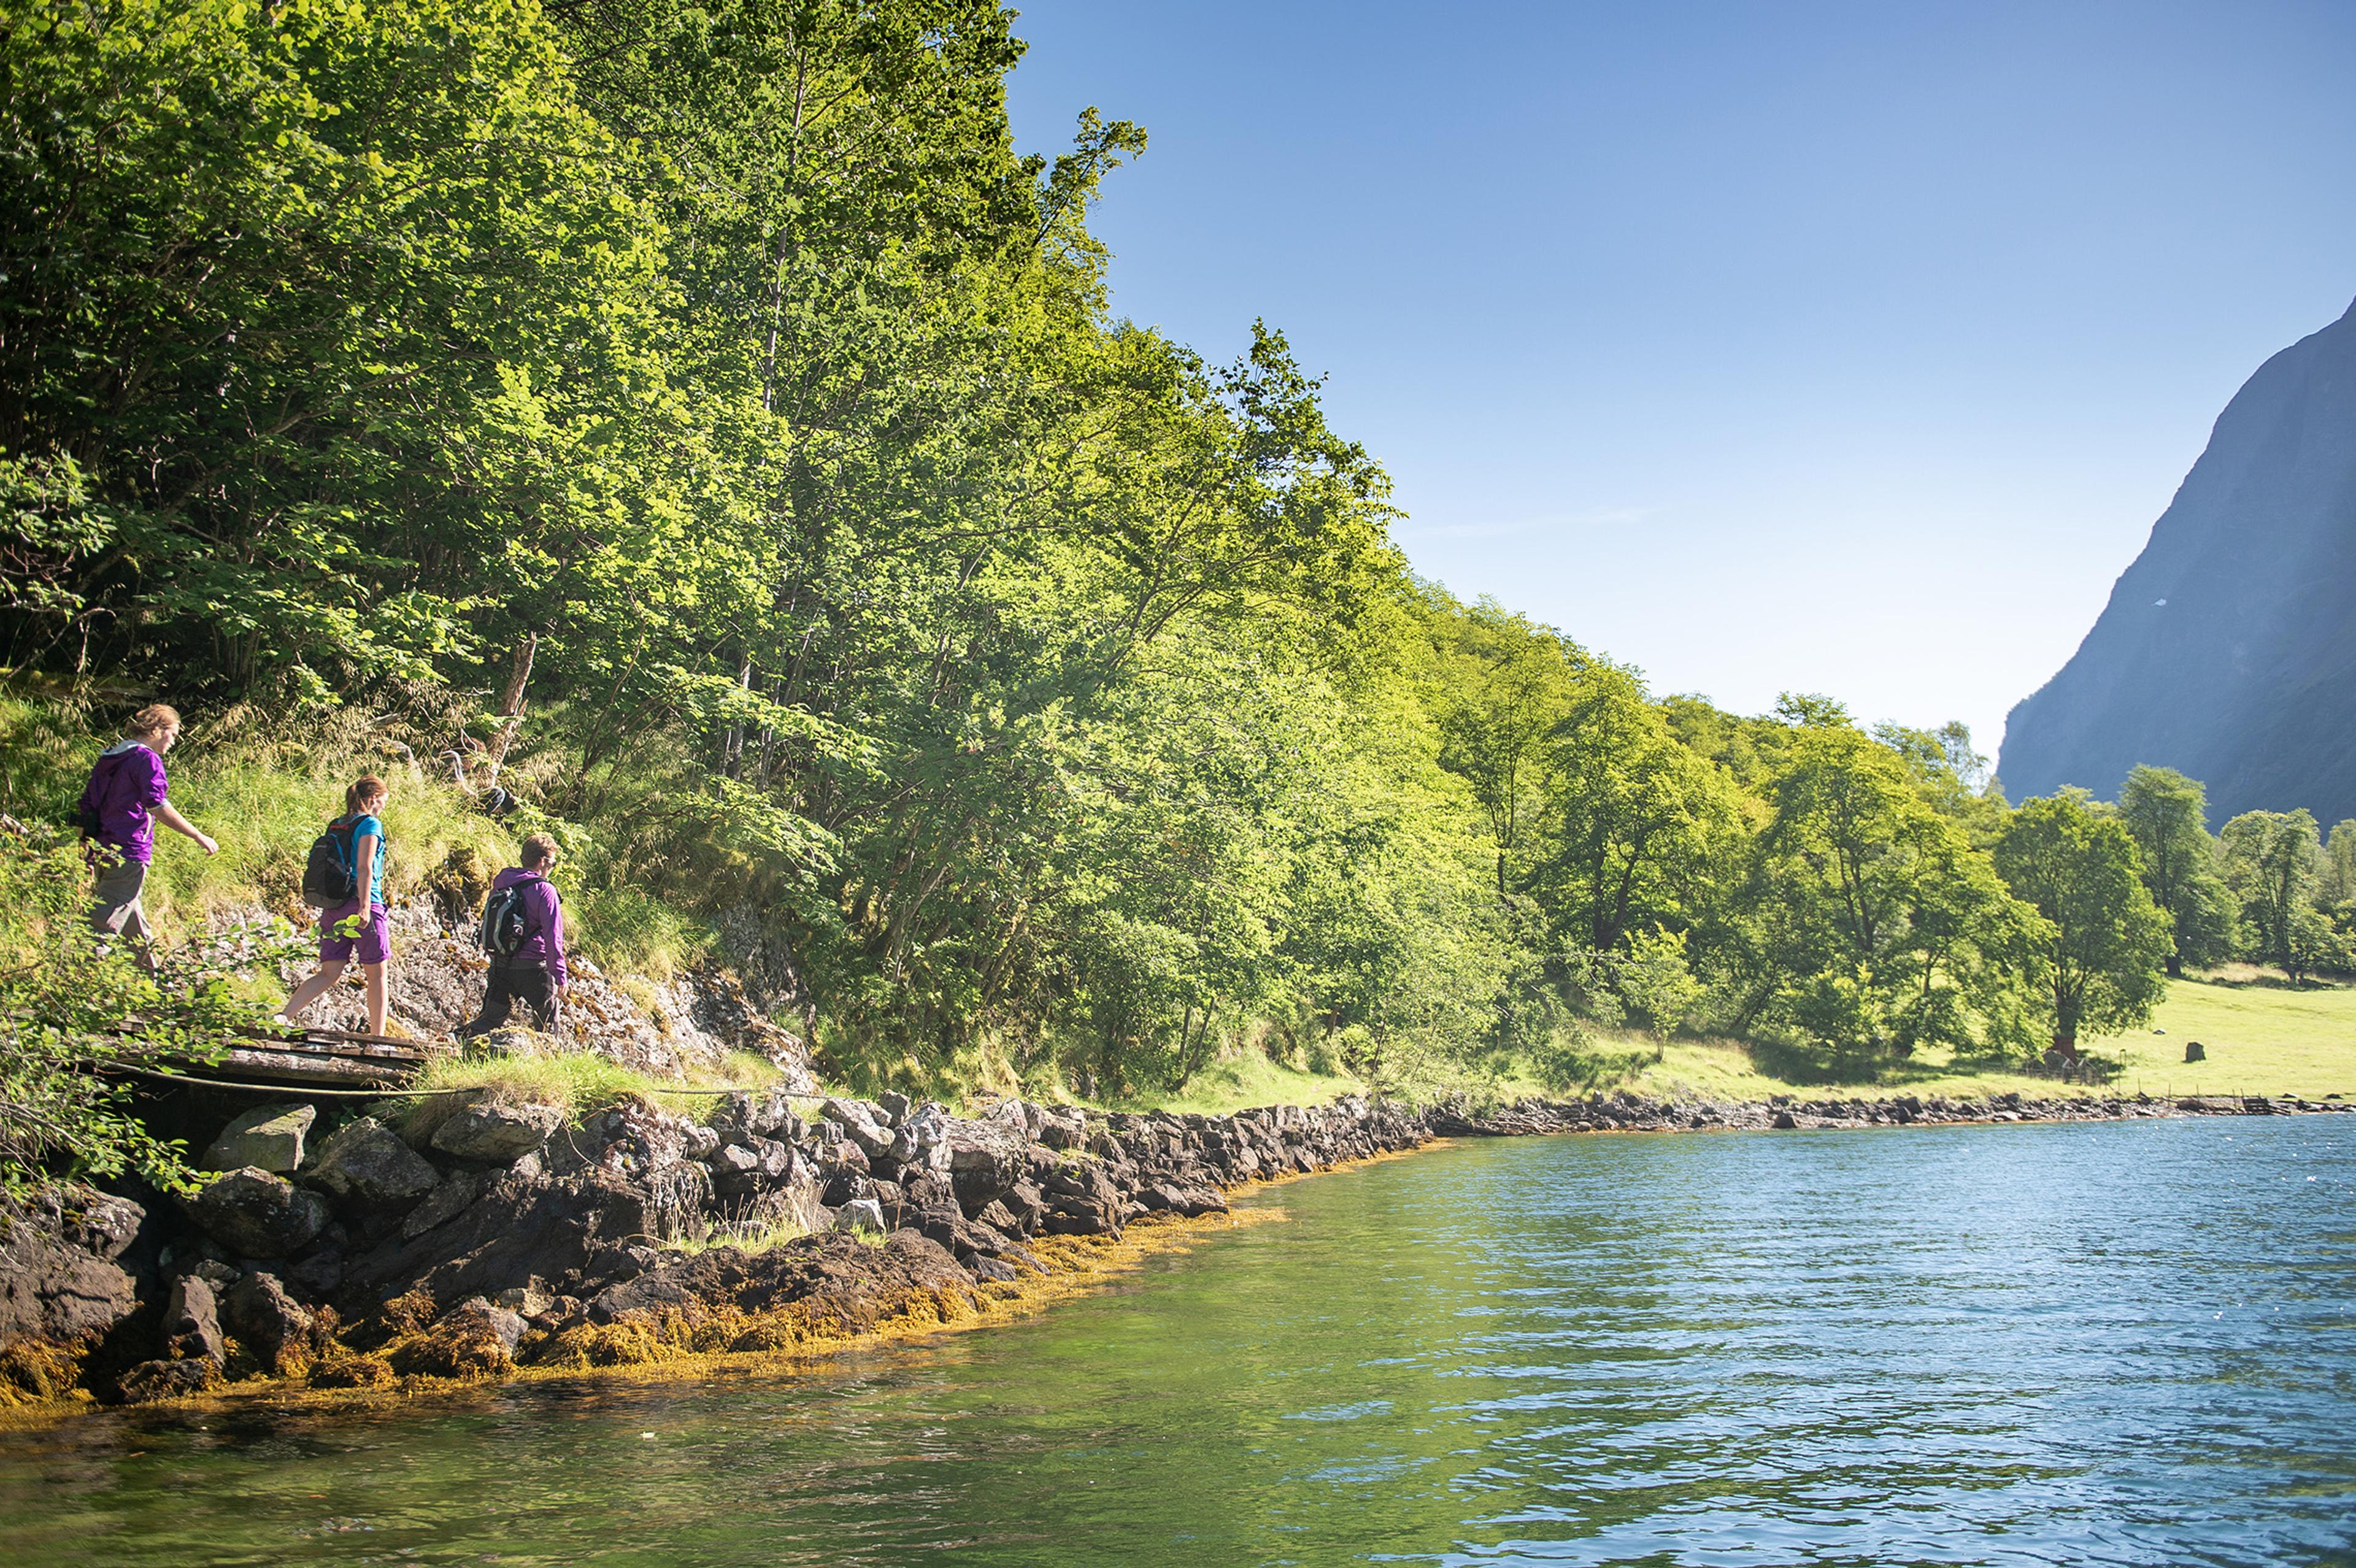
x,y
2103,941
1658,984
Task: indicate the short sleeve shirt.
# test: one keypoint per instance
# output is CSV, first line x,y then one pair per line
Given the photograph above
x,y
363,827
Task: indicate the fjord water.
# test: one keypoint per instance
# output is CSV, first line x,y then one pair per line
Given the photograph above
x,y
2110,1343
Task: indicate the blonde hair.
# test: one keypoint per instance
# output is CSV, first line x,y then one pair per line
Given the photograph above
x,y
540,850
153,720
365,788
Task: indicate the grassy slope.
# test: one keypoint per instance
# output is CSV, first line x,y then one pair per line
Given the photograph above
x,y
2262,1038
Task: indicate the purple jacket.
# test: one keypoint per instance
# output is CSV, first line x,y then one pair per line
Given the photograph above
x,y
543,921
126,785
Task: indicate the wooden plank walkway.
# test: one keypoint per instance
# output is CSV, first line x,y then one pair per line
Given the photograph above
x,y
317,1058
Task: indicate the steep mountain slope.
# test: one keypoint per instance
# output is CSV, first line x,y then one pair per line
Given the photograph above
x,y
2229,648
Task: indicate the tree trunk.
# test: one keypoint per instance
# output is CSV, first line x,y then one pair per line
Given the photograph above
x,y
512,700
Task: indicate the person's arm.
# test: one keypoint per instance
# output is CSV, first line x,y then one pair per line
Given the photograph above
x,y
169,816
364,860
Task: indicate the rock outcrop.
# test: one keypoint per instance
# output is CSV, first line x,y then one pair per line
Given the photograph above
x,y
640,1232
2228,648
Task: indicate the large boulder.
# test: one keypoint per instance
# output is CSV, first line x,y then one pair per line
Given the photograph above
x,y
986,1158
923,1140
365,1163
62,1271
1182,1198
495,1134
764,1115
270,1324
573,1232
863,1125
258,1215
472,1339
192,1323
268,1139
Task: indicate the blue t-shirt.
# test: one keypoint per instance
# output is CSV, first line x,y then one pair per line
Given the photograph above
x,y
364,827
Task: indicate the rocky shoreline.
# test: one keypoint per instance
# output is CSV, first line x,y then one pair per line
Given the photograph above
x,y
478,1238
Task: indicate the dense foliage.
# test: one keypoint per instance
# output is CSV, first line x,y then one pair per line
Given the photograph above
x,y
80,1021
710,410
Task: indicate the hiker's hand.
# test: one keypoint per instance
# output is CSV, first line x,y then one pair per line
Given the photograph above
x,y
205,842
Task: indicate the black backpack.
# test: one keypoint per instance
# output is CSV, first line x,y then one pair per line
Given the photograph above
x,y
505,928
331,877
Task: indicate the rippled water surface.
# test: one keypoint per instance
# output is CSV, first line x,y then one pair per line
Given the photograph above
x,y
2104,1343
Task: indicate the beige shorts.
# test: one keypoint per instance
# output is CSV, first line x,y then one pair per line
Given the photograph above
x,y
116,910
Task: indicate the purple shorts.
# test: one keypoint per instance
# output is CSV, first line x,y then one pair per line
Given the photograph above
x,y
374,942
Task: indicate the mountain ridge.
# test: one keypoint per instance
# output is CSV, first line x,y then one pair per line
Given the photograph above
x,y
2228,646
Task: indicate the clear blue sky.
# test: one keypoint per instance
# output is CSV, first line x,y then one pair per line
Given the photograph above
x,y
1848,349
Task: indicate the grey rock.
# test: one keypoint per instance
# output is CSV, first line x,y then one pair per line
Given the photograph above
x,y
151,1380
501,1323
495,1134
860,1124
456,1193
861,1214
894,1106
986,1159
269,1138
365,1163
192,1323
699,1142
923,1142
1179,1198
266,1319
257,1215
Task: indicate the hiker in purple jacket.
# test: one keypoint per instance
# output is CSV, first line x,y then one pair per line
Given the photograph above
x,y
523,933
120,807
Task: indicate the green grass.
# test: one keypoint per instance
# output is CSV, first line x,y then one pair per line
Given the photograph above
x,y
266,818
755,1239
2262,1038
577,1082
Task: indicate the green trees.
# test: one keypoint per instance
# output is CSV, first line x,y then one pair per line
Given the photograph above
x,y
2099,947
1868,922
1502,689
1633,817
2166,815
713,400
2274,865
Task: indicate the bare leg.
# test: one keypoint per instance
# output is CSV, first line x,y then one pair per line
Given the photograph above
x,y
380,995
317,986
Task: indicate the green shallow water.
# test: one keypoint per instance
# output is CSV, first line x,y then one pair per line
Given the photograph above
x,y
2124,1343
